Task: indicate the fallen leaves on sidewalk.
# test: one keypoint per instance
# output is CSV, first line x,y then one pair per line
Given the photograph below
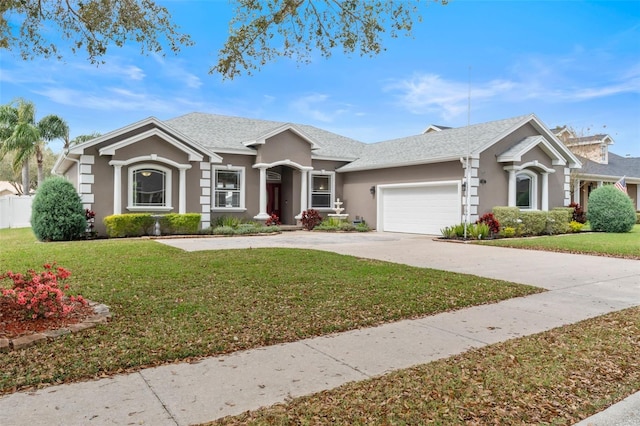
x,y
556,377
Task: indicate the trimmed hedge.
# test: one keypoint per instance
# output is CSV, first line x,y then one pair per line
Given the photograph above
x,y
534,222
140,224
129,225
174,223
507,216
560,217
57,213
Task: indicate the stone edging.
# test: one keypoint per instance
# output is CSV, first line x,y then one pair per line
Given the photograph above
x,y
101,316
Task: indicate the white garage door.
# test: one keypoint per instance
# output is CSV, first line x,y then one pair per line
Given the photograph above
x,y
420,208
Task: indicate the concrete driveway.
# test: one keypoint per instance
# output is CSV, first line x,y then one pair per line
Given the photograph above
x,y
553,271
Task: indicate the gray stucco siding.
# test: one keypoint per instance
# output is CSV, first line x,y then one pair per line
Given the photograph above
x,y
356,185
285,146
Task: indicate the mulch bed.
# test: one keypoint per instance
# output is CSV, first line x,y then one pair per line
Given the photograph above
x,y
13,323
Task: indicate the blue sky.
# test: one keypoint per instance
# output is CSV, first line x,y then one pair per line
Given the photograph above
x,y
569,62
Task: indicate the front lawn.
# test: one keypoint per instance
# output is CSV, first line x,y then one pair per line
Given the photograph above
x,y
171,305
625,245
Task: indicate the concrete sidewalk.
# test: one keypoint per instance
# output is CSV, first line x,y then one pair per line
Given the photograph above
x,y
580,287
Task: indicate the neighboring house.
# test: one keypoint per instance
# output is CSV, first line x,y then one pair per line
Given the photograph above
x,y
219,165
8,188
599,166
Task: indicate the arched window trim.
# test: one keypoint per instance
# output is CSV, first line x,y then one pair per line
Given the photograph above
x,y
167,187
533,190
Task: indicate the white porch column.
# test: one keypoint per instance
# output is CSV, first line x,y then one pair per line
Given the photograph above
x,y
304,195
117,188
638,197
182,197
263,215
545,191
576,191
511,201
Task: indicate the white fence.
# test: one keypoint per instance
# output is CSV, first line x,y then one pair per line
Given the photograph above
x,y
15,211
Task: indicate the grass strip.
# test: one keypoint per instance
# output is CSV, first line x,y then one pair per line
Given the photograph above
x,y
625,245
557,377
172,306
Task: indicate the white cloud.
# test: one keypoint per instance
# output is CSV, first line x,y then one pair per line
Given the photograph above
x,y
174,69
116,99
307,106
433,94
429,93
113,68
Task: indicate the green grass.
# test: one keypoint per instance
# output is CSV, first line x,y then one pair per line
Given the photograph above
x,y
557,377
171,305
625,245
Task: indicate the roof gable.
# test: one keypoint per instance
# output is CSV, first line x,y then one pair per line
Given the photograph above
x,y
262,139
228,134
156,127
515,153
192,154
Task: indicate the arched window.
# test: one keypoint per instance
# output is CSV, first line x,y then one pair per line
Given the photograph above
x,y
149,187
527,190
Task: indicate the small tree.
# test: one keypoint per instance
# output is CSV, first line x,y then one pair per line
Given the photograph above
x,y
57,213
610,210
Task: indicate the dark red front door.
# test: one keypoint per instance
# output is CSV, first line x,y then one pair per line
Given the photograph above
x,y
274,199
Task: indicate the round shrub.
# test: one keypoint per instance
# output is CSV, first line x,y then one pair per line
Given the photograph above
x,y
610,210
56,212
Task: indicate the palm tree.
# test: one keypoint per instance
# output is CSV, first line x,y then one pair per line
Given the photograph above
x,y
51,127
83,138
20,134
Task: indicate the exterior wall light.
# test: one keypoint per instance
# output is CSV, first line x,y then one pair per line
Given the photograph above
x,y
372,190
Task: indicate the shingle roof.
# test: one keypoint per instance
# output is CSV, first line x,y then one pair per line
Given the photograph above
x,y
219,132
592,138
522,146
434,146
618,166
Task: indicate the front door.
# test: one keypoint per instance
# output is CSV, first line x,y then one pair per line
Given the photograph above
x,y
273,199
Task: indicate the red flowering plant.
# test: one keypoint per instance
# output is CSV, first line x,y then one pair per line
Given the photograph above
x,y
310,219
90,216
273,220
39,294
490,220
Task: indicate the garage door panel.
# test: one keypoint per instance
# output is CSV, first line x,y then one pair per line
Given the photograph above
x,y
420,209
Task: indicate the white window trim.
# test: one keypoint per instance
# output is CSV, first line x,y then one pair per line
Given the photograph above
x,y
243,179
167,188
332,183
533,194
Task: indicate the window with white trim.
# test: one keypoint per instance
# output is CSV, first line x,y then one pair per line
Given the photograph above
x,y
526,190
228,187
149,187
322,190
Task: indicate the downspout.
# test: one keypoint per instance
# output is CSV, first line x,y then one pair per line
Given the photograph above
x,y
467,194
65,157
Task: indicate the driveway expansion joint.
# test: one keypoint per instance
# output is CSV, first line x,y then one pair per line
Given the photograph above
x,y
339,361
157,397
